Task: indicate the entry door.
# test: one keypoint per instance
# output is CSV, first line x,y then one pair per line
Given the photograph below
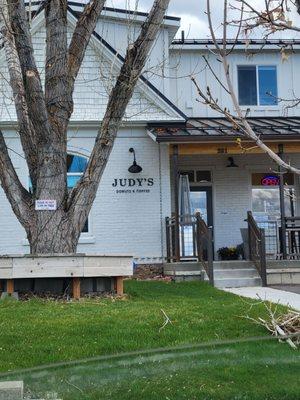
x,y
201,202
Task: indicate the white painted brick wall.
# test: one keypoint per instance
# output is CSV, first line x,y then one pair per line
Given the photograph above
x,y
129,223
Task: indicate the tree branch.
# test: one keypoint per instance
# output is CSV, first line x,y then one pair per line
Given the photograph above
x,y
240,120
83,194
31,77
19,198
84,28
56,79
26,131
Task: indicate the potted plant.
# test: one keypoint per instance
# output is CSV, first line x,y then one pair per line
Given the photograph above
x,y
228,253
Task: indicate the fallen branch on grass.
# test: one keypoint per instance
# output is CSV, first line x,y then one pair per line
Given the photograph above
x,y
281,324
166,322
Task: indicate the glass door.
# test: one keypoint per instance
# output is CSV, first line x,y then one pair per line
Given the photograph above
x,y
201,202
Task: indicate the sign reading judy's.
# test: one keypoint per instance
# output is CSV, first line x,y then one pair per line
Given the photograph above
x,y
133,185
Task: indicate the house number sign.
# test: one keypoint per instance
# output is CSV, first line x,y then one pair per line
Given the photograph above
x,y
45,205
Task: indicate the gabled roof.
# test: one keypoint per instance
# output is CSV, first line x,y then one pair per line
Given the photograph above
x,y
220,129
142,77
165,102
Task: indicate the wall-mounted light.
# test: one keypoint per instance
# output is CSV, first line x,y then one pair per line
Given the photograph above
x,y
231,164
135,168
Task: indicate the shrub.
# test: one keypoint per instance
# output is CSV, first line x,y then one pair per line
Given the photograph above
x,y
228,253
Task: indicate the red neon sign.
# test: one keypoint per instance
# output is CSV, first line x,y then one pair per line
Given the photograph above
x,y
270,180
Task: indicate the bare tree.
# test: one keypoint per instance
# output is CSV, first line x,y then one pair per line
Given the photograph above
x,y
273,18
43,115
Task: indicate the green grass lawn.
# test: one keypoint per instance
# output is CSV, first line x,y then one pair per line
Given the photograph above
x,y
37,333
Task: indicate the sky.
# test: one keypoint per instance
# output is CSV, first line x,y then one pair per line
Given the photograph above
x,y
192,13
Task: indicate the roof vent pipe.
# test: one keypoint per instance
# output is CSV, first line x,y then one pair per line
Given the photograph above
x,y
182,36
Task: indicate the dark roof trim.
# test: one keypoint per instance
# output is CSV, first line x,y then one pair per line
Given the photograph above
x,y
142,78
243,42
219,129
124,11
111,9
224,139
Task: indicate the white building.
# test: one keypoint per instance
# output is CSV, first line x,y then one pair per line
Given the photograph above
x,y
164,119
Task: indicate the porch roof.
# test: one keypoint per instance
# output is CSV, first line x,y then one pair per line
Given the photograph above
x,y
220,129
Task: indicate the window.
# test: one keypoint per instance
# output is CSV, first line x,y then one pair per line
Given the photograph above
x,y
266,206
197,176
76,166
265,196
257,85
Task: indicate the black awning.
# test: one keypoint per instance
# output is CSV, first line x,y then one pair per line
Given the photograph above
x,y
220,129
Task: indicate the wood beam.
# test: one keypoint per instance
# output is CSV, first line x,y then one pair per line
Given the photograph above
x,y
176,201
10,286
76,288
233,148
119,285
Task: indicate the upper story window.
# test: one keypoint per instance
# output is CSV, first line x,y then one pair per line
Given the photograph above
x,y
257,85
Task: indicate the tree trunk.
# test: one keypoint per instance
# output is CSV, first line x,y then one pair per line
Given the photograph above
x,y
53,234
44,111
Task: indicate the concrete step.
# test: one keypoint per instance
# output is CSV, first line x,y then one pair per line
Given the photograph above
x,y
282,264
287,276
233,264
183,268
237,282
236,273
226,273
11,390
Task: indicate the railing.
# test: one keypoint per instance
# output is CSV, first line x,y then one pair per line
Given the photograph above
x,y
257,251
273,239
188,238
292,227
205,247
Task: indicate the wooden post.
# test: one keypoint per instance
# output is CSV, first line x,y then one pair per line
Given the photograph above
x,y
10,287
282,205
120,285
176,202
76,288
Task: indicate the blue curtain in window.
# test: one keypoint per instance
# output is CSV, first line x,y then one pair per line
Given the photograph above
x,y
267,78
72,180
78,164
247,85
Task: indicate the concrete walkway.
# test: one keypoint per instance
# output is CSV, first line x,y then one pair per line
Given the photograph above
x,y
269,294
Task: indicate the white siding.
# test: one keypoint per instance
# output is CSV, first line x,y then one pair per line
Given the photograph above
x,y
94,83
184,63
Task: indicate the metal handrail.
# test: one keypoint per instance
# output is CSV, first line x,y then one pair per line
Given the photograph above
x,y
200,245
257,251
